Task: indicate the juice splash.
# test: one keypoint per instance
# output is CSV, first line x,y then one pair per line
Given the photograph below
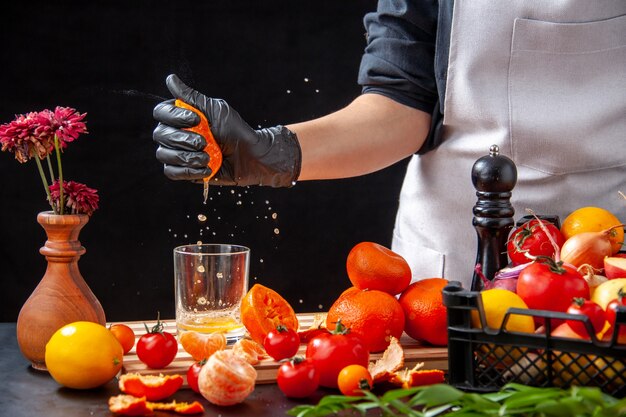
x,y
211,148
205,191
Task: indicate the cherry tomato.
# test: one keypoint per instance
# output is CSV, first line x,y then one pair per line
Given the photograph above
x,y
530,238
331,352
354,379
192,375
547,285
298,378
611,307
157,348
611,315
124,335
588,308
306,335
281,343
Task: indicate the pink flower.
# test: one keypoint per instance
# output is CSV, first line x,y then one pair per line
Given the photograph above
x,y
27,136
67,124
35,136
78,197
32,134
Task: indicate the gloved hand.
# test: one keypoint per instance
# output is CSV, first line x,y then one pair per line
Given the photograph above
x,y
270,156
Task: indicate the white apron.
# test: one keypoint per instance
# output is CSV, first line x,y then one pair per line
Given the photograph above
x,y
546,82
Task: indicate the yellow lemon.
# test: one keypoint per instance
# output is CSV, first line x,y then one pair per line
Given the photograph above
x,y
83,355
496,303
607,291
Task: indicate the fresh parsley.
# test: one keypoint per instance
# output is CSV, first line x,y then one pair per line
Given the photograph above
x,y
513,400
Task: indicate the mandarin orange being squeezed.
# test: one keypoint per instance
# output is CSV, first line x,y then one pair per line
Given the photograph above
x,y
211,148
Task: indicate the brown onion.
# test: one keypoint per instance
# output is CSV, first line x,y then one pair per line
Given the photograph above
x,y
588,248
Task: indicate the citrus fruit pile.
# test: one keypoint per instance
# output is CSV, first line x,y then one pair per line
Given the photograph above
x,y
367,317
382,303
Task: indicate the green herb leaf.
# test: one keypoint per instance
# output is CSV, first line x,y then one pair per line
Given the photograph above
x,y
525,399
618,408
337,399
479,402
435,395
395,394
513,400
436,411
404,408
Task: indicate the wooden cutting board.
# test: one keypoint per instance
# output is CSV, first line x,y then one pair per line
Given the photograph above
x,y
414,352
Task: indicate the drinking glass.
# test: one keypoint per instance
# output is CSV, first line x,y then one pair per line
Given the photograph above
x,y
210,282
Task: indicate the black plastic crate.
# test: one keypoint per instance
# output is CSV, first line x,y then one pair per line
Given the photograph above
x,y
483,359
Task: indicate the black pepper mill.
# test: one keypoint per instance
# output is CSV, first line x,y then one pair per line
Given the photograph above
x,y
493,176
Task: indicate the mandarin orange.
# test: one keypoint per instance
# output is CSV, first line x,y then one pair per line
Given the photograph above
x,y
124,334
203,129
426,315
263,309
202,345
375,316
226,378
372,266
250,350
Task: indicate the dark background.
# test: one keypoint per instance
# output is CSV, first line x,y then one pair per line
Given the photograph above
x,y
274,61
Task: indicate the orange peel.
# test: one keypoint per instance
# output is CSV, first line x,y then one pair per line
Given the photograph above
x,y
392,360
417,377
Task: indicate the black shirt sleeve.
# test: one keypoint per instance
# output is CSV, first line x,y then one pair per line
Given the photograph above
x,y
399,58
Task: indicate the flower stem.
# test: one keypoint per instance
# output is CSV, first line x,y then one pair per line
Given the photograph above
x,y
45,184
61,198
50,168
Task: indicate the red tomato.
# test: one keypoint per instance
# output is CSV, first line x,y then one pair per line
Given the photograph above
x,y
582,307
281,343
354,379
611,308
331,352
530,238
157,348
306,335
192,375
546,285
298,378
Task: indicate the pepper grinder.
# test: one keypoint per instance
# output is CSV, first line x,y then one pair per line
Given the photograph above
x,y
494,177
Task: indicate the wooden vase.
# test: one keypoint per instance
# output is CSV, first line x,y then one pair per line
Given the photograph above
x,y
62,296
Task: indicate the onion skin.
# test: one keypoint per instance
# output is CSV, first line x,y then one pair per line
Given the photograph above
x,y
505,278
587,248
505,284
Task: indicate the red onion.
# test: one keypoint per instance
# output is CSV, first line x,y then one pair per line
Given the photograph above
x,y
505,278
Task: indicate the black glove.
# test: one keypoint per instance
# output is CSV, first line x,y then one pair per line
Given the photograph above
x,y
269,156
